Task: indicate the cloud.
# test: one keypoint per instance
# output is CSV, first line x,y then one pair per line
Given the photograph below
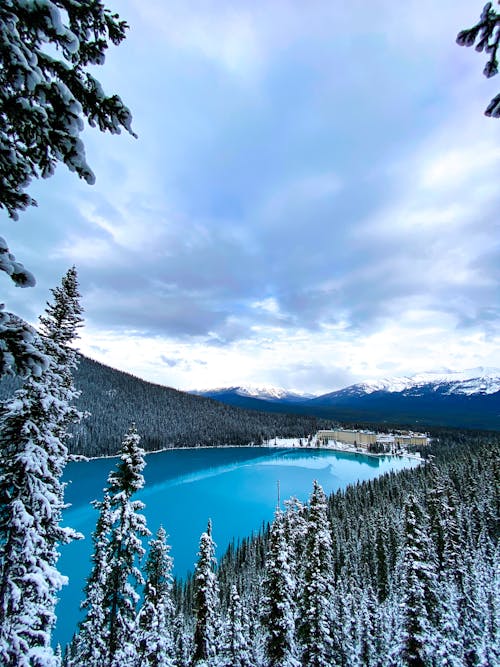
x,y
170,362
313,197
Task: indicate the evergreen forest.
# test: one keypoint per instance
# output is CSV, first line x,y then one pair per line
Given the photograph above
x,y
399,571
164,417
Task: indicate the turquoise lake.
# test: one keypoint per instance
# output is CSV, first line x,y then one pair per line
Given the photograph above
x,y
236,487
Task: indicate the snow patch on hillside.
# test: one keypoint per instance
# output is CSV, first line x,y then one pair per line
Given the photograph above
x,y
478,380
263,392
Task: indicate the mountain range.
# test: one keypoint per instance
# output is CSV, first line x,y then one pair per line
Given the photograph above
x,y
469,398
164,416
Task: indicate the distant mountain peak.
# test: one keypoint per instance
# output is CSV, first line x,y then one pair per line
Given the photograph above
x,y
264,392
477,380
469,398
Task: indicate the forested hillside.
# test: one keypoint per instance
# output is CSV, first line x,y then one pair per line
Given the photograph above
x,y
164,417
402,571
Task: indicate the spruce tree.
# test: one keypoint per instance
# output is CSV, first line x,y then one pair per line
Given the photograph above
x,y
155,647
90,644
33,433
206,601
382,559
315,607
366,649
108,634
48,55
235,651
125,551
296,529
279,600
182,642
485,35
418,585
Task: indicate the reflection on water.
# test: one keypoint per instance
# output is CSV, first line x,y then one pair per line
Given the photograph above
x,y
234,486
321,459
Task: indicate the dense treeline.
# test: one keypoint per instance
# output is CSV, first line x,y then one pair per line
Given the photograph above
x,y
402,570
164,417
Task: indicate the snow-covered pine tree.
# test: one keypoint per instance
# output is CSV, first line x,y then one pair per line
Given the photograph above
x,y
486,33
18,350
450,648
296,527
279,612
235,649
480,602
128,526
108,634
33,433
206,601
381,560
418,587
366,630
90,645
315,605
19,353
48,54
155,646
182,642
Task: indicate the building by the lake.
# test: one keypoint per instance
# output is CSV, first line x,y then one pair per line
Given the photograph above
x,y
372,440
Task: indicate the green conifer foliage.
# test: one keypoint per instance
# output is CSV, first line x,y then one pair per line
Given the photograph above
x,y
125,549
316,604
108,634
33,433
206,601
279,600
90,644
418,586
155,647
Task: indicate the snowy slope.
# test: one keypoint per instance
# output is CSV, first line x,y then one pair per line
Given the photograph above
x,y
472,381
469,398
262,392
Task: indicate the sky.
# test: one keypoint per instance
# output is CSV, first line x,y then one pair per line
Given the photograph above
x,y
312,200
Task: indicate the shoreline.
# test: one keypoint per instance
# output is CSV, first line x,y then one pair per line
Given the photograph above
x,y
278,443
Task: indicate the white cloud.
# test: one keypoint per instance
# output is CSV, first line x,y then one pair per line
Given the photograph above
x,y
345,217
416,341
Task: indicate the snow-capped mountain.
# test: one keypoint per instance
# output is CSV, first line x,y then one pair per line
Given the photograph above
x,y
468,382
261,393
469,398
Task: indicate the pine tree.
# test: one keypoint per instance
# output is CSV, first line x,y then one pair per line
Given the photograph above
x,y
108,634
450,646
19,352
367,634
382,560
47,54
315,607
125,551
235,651
418,586
182,642
279,600
206,600
90,644
33,432
486,33
155,646
296,528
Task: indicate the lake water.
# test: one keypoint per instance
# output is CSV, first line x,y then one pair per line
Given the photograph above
x,y
236,487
